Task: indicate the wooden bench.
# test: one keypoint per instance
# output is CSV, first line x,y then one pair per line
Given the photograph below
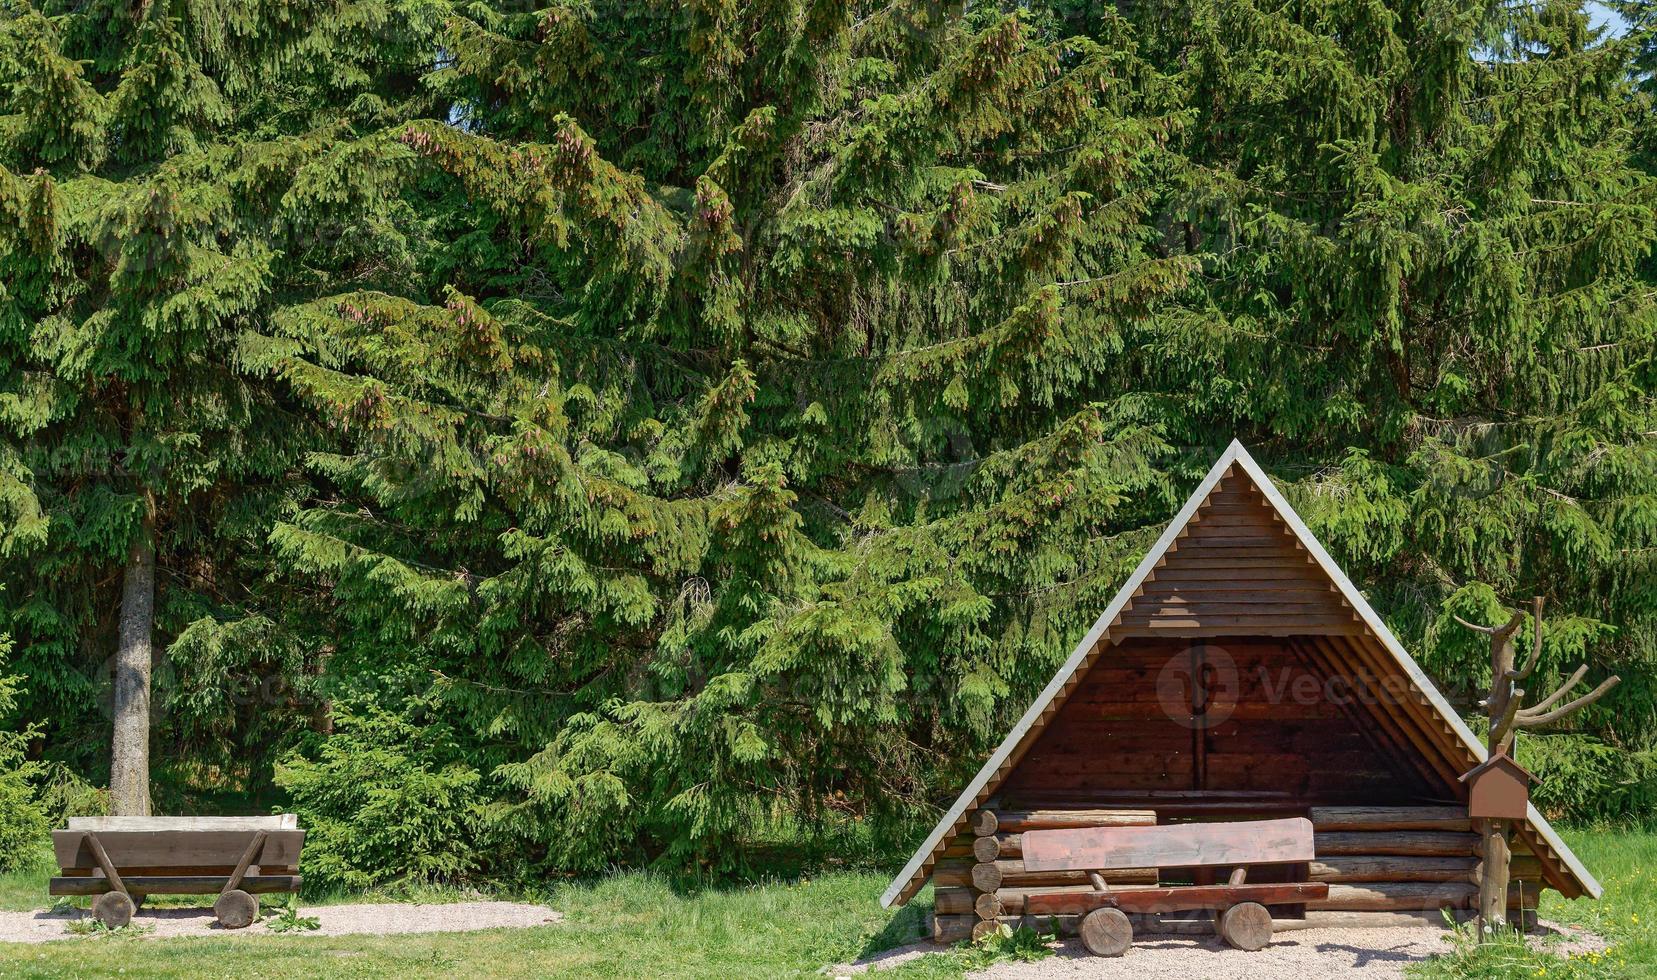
x,y
1241,916
122,859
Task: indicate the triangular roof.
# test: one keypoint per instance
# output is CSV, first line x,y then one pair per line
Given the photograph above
x,y
1448,733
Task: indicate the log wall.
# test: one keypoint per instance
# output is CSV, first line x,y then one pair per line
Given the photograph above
x,y
1280,725
1383,865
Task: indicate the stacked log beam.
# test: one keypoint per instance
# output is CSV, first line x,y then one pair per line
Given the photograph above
x,y
952,894
1010,873
987,886
1404,860
1384,866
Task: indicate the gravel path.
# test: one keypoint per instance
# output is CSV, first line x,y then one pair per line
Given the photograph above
x,y
1370,953
1373,954
334,920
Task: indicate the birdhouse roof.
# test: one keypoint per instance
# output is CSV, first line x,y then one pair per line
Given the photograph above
x,y
1500,760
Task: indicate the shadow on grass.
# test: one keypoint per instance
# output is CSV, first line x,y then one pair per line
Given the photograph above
x,y
908,926
778,853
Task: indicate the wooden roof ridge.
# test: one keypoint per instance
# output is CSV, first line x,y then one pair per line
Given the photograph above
x,y
1426,699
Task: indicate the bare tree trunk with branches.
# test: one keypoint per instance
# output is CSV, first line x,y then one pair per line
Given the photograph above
x,y
1507,717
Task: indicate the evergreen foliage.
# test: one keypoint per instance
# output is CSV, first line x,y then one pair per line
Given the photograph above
x,y
166,184
754,458
391,798
607,428
22,817
1427,246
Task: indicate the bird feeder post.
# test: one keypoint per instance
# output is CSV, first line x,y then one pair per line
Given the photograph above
x,y
1499,788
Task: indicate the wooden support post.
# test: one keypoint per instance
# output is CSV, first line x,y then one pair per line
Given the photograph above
x,y
1494,864
105,864
254,846
115,907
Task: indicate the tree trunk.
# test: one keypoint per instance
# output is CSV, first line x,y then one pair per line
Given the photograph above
x,y
129,768
1493,880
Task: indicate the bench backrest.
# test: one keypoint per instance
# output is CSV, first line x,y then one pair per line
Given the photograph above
x,y
1192,845
159,850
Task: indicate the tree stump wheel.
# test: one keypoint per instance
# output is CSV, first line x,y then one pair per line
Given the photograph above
x,y
113,909
1246,925
1107,932
236,909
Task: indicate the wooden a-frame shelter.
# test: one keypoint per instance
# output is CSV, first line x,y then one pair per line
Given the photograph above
x,y
1308,705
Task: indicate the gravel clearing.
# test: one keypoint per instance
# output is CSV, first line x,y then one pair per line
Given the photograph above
x,y
1373,954
1291,956
334,920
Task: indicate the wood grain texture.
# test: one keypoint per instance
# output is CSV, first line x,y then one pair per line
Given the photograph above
x,y
1246,926
219,870
1398,896
166,848
1366,868
1013,874
1176,898
275,821
1018,821
953,901
114,909
236,909
1451,818
1183,845
1424,843
174,884
1106,932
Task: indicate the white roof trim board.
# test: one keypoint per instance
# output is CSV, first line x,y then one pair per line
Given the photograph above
x,y
1235,453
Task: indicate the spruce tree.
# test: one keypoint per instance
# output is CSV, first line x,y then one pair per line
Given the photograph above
x,y
1423,241
166,184
798,382
632,423
755,434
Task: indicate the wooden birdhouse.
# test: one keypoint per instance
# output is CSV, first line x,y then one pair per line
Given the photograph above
x,y
1498,789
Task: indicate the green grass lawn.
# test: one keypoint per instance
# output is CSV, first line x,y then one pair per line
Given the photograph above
x,y
628,925
1626,864
635,925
